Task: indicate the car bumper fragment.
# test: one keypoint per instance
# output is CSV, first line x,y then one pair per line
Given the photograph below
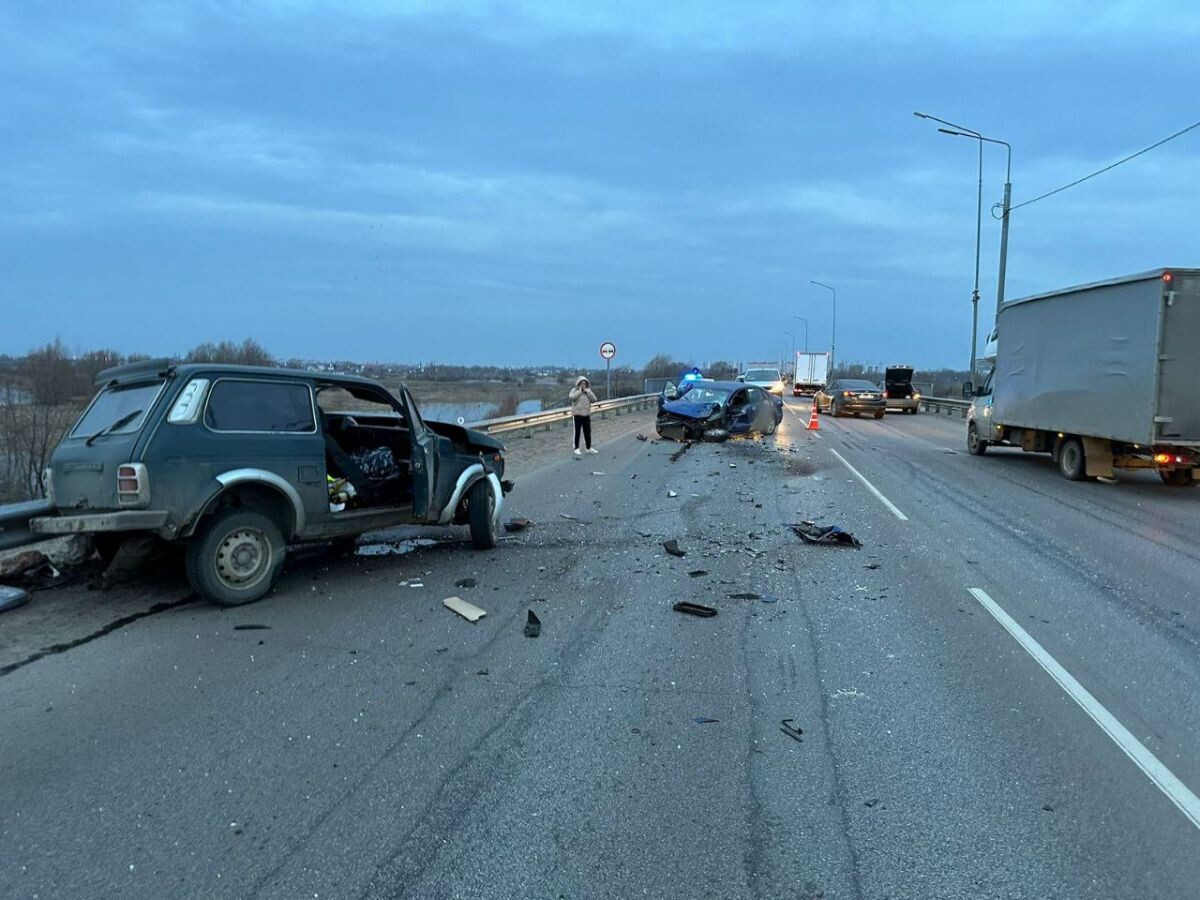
x,y
125,520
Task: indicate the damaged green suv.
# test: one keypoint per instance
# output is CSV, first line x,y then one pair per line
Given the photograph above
x,y
239,461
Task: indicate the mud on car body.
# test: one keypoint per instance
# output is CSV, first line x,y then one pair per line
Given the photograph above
x,y
716,410
236,462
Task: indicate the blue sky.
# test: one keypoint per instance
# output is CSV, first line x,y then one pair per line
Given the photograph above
x,y
516,182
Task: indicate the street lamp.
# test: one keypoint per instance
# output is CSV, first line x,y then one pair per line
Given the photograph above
x,y
1005,209
833,337
782,345
793,337
805,321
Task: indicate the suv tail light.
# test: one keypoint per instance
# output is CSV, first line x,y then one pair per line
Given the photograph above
x,y
885,395
133,485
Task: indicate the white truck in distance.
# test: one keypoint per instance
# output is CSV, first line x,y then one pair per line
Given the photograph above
x,y
1101,376
812,373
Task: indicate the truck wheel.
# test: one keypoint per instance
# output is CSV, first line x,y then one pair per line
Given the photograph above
x,y
236,557
1071,461
1177,477
976,445
481,506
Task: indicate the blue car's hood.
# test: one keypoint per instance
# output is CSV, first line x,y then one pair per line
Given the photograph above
x,y
689,409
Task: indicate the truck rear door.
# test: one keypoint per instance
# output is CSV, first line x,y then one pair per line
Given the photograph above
x,y
1178,416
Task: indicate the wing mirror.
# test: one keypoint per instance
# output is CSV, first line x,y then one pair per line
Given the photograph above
x,y
670,392
968,390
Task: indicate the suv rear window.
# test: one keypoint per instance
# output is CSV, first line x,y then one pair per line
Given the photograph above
x,y
126,402
235,405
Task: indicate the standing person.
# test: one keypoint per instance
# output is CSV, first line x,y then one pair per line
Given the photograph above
x,y
582,398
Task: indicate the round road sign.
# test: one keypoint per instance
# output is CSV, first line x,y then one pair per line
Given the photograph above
x,y
608,350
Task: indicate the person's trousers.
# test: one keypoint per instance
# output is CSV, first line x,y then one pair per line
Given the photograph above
x,y
583,424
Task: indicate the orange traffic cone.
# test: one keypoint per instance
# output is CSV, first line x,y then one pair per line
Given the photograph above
x,y
813,423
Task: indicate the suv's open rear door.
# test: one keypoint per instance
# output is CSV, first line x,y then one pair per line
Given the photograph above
x,y
424,461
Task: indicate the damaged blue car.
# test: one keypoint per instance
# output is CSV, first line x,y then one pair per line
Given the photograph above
x,y
716,411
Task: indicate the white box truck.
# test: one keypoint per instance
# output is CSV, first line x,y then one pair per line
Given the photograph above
x,y
812,373
1103,376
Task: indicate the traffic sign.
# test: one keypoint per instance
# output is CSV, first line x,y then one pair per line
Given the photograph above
x,y
608,350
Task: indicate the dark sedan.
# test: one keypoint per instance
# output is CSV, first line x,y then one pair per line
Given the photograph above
x,y
850,396
717,410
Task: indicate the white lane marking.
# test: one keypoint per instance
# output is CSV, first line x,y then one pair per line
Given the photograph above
x,y
1177,792
870,487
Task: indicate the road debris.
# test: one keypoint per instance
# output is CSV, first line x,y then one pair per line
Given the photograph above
x,y
694,609
468,611
746,595
792,731
698,573
466,583
830,534
568,517
533,625
12,597
251,627
517,524
642,437
672,493
672,547
733,465
597,473
874,801
705,720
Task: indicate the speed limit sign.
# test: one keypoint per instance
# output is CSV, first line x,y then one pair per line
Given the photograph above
x,y
608,350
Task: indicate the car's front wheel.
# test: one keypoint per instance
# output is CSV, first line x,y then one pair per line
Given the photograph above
x,y
481,514
976,445
236,557
879,414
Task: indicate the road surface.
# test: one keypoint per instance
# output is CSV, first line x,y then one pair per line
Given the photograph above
x,y
349,737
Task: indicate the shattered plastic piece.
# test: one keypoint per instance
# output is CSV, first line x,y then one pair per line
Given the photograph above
x,y
533,625
792,731
704,720
251,627
698,573
466,582
642,437
672,547
747,595
597,473
733,465
518,524
694,609
769,599
12,597
830,534
870,803
672,493
468,611
567,516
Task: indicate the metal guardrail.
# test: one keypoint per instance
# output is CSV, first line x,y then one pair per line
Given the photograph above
x,y
947,405
14,522
549,417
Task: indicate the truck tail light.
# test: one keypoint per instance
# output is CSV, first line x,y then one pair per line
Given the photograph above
x,y
133,485
1162,458
885,395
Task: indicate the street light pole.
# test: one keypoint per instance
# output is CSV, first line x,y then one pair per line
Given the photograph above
x,y
1005,209
833,337
793,337
805,321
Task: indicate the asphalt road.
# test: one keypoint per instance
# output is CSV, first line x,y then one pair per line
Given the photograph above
x,y
369,743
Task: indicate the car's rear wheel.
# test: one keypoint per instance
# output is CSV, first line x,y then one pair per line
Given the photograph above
x,y
879,414
1177,477
976,445
236,557
481,514
1071,461
770,429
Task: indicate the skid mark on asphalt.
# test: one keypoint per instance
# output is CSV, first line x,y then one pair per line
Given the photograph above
x,y
1164,779
54,649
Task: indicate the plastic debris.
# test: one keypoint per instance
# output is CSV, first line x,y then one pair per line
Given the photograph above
x,y
698,573
533,625
468,611
597,473
694,609
518,524
466,583
251,627
672,493
672,547
830,534
12,597
746,595
704,720
791,730
642,437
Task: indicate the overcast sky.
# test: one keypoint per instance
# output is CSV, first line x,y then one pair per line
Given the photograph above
x,y
516,182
